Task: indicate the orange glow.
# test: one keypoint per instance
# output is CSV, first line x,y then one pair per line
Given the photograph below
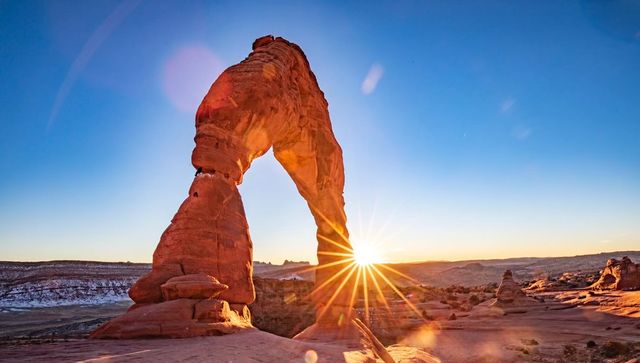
x,y
359,269
366,253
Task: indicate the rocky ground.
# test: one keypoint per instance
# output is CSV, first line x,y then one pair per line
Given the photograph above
x,y
559,320
481,272
559,329
251,346
563,328
282,307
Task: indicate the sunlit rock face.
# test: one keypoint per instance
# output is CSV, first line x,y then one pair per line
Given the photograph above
x,y
509,291
190,307
619,275
209,234
269,100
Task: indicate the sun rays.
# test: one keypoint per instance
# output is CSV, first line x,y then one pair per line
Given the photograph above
x,y
365,253
362,278
355,277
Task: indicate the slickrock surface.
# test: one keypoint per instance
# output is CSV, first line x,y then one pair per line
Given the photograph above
x,y
576,325
181,318
613,302
619,275
537,335
553,332
248,346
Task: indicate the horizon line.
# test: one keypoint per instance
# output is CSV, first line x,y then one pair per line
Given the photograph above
x,y
382,263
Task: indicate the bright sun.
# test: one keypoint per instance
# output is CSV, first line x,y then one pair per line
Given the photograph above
x,y
366,254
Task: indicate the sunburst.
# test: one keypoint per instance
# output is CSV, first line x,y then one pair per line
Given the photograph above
x,y
360,266
366,253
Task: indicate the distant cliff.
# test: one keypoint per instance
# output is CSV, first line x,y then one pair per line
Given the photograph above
x,y
59,283
56,283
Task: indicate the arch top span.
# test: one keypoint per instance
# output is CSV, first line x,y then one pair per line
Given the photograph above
x,y
270,100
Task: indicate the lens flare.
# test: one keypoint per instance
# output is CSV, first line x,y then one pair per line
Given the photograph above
x,y
187,74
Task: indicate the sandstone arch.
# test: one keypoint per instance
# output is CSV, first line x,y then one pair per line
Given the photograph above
x,y
269,100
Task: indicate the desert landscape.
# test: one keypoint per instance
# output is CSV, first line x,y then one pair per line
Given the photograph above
x,y
553,310
357,182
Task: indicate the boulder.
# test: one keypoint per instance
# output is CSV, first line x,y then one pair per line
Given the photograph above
x,y
194,286
147,288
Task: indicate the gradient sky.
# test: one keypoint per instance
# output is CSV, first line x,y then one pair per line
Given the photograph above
x,y
470,129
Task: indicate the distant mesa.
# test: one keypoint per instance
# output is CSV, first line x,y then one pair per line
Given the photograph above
x,y
474,266
201,277
287,262
619,275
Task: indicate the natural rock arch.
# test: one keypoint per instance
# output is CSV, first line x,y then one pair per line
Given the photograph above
x,y
269,100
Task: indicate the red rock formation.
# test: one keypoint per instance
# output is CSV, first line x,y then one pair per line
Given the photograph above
x,y
508,291
181,318
269,100
197,286
209,234
619,275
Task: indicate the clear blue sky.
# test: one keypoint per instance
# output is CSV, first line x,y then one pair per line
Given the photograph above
x,y
494,129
